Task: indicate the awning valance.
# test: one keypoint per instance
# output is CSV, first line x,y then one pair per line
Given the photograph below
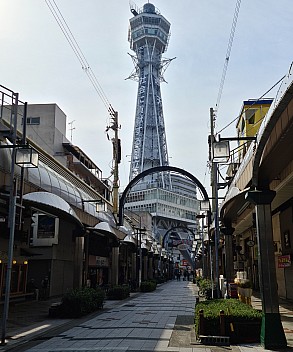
x,y
51,203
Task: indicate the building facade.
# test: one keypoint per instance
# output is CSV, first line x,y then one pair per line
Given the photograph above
x,y
63,226
265,165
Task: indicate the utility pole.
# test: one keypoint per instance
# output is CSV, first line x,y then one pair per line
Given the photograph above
x,y
116,157
215,205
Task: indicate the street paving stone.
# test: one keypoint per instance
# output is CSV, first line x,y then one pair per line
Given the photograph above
x,y
158,321
145,324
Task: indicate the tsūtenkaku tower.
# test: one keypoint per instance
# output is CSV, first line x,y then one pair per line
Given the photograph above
x,y
169,198
148,37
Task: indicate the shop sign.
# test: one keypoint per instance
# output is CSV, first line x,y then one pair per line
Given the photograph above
x,y
284,261
102,261
184,262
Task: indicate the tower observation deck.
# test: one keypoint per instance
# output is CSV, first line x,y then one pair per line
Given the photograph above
x,y
170,198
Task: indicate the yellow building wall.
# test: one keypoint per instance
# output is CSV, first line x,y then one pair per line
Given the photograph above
x,y
249,127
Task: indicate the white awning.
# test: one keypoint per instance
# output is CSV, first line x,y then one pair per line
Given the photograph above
x,y
51,203
107,230
129,239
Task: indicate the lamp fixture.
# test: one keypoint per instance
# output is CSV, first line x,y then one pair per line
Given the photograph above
x,y
26,157
221,151
205,205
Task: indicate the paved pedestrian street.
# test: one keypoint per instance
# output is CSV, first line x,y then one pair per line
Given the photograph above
x,y
145,323
162,320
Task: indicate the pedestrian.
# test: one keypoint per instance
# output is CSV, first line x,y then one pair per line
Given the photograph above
x,y
184,275
178,275
32,288
45,288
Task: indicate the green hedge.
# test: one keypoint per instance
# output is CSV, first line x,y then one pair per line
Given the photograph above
x,y
237,314
204,284
78,302
118,292
148,286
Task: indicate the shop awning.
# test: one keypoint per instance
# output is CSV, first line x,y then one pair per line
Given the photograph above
x,y
125,230
51,203
235,209
105,229
129,239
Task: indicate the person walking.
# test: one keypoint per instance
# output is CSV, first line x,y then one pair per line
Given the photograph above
x,y
184,275
45,288
178,275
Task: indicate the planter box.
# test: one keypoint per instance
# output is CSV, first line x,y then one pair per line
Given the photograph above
x,y
211,294
241,323
245,332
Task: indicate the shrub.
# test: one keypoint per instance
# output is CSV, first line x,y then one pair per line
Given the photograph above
x,y
80,301
148,286
197,280
118,292
205,284
235,311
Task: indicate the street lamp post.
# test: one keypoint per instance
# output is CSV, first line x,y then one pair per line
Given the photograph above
x,y
23,156
140,259
202,217
139,232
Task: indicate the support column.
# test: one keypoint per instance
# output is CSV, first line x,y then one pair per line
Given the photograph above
x,y
229,264
145,267
272,332
150,271
115,265
134,269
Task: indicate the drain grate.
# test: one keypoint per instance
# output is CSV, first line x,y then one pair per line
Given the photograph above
x,y
215,340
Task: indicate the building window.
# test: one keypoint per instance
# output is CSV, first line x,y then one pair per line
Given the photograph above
x,y
251,120
32,121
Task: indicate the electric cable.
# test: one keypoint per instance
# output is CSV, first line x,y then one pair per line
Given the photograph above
x,y
250,107
228,52
53,7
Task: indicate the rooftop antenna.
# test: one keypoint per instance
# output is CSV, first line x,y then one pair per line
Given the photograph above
x,y
71,129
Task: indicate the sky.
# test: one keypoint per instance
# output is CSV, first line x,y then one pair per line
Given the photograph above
x,y
37,62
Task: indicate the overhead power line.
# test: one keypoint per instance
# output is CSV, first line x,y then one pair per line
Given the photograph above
x,y
255,102
227,57
53,7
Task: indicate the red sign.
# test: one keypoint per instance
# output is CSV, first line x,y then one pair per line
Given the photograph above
x,y
284,261
184,262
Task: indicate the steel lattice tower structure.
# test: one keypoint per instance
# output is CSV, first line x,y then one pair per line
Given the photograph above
x,y
169,198
149,33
